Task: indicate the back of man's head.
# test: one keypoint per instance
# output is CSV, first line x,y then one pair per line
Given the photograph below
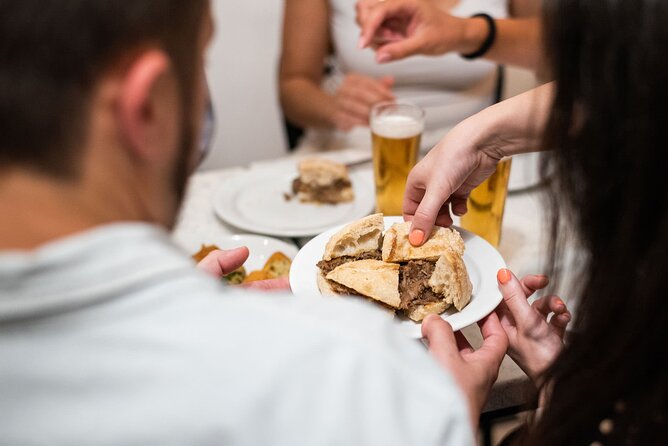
x,y
51,54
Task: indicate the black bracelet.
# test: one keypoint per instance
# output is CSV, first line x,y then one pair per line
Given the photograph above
x,y
489,41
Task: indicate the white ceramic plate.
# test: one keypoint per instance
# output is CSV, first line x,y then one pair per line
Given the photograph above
x,y
260,247
482,261
255,202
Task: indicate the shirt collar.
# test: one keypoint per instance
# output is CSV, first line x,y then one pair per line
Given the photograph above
x,y
86,268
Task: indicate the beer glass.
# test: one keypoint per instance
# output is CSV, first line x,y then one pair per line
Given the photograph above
x,y
486,204
396,130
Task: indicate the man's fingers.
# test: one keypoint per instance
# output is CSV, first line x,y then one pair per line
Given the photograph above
x,y
282,284
513,295
222,262
442,342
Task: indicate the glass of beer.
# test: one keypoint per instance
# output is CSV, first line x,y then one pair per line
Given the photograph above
x,y
396,130
486,204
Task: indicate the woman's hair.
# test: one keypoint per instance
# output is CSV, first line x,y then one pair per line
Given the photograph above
x,y
608,136
52,53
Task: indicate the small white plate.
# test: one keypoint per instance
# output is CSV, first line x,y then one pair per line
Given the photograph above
x,y
255,202
260,247
482,262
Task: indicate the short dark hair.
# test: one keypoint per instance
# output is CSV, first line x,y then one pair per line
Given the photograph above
x,y
51,54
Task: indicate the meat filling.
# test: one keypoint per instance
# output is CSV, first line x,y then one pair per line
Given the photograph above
x,y
414,286
327,266
330,194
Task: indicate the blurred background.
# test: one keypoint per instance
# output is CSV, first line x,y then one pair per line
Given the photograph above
x,y
242,69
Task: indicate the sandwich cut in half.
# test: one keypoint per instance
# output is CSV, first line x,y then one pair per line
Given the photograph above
x,y
360,240
322,181
416,281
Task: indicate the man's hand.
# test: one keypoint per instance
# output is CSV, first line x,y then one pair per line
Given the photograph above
x,y
534,342
355,97
401,28
220,263
474,370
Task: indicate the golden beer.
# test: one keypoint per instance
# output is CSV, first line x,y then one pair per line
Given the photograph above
x,y
486,204
396,130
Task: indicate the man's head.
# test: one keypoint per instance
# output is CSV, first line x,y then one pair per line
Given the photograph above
x,y
92,90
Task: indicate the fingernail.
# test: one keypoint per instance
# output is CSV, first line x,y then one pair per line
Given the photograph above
x,y
360,43
416,237
503,276
383,57
559,303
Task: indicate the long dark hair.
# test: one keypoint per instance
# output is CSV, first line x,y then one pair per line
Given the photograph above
x,y
608,135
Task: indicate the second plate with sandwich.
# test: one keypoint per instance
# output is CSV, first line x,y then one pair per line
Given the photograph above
x,y
481,260
261,201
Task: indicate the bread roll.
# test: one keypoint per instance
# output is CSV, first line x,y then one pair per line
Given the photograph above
x,y
397,248
371,278
451,279
356,238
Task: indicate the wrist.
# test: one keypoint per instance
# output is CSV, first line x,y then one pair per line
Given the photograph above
x,y
474,33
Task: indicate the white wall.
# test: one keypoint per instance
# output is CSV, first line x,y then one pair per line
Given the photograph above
x,y
242,69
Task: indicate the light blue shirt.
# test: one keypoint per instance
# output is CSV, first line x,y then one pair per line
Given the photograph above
x,y
112,337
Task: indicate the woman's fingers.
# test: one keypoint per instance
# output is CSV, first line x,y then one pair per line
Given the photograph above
x,y
534,282
513,295
550,304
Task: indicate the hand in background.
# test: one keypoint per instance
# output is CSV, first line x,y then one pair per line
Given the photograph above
x,y
534,343
474,370
220,263
402,28
355,97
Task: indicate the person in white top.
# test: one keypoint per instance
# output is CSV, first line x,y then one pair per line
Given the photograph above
x,y
108,333
334,109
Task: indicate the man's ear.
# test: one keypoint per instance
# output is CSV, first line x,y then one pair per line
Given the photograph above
x,y
141,105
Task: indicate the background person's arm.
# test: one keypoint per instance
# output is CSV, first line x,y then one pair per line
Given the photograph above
x,y
306,44
468,154
401,28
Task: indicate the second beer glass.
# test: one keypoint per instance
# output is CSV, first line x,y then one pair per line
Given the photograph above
x,y
396,130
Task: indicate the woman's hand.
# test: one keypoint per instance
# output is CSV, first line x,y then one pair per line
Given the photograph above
x,y
474,370
443,179
468,154
355,97
220,263
534,343
401,28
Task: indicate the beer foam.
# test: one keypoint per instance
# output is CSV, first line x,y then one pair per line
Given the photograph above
x,y
396,127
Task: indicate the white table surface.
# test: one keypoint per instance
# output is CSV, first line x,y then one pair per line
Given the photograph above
x,y
522,246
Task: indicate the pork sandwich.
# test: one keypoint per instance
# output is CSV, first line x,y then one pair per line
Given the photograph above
x,y
416,281
322,181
